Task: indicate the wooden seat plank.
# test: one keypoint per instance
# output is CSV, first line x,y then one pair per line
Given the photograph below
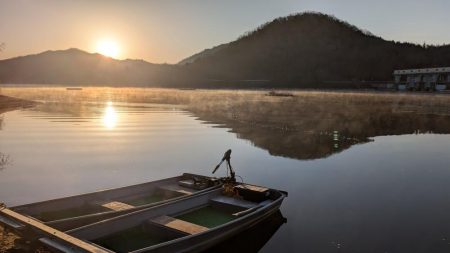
x,y
180,225
117,206
254,188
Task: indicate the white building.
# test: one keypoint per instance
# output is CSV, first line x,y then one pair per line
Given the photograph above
x,y
429,79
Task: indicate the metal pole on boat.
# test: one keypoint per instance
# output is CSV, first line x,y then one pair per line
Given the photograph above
x,y
227,158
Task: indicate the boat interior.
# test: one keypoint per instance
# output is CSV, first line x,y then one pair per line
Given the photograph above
x,y
146,228
114,200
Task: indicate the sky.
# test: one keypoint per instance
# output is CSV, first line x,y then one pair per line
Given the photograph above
x,y
167,31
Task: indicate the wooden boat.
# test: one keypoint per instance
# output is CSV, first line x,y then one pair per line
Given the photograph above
x,y
75,211
203,212
189,224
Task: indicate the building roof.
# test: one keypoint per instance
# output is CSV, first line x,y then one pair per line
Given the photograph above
x,y
422,71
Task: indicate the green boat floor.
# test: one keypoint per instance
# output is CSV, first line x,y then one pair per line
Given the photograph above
x,y
129,240
70,212
209,217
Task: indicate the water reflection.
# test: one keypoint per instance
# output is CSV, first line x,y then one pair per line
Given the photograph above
x,y
110,116
378,197
319,133
254,238
4,159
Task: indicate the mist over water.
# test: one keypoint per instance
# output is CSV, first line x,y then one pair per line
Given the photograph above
x,y
364,173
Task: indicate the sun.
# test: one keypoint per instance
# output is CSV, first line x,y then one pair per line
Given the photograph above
x,y
108,47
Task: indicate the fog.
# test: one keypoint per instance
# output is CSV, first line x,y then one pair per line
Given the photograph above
x,y
307,125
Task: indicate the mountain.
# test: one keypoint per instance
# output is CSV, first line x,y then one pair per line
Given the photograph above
x,y
303,50
314,50
76,67
202,54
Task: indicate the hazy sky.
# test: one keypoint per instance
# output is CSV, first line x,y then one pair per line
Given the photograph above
x,y
168,31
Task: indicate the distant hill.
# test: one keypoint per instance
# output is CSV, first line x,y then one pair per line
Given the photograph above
x,y
202,54
303,50
76,67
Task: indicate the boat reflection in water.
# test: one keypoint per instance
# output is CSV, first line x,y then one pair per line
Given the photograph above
x,y
254,238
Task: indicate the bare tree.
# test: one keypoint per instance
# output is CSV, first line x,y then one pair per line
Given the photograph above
x,y
4,161
2,47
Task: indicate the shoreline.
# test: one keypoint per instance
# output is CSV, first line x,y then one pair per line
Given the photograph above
x,y
10,103
7,240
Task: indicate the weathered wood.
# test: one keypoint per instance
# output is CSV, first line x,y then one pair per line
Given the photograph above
x,y
52,232
180,225
254,188
117,206
187,183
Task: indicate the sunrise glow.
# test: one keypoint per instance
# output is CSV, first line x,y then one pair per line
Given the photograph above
x,y
108,47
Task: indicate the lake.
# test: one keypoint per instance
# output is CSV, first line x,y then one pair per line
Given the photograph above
x,y
347,193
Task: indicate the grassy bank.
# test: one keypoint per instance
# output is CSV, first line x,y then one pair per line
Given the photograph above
x,y
6,240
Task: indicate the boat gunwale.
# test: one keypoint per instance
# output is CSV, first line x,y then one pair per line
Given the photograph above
x,y
34,204
31,205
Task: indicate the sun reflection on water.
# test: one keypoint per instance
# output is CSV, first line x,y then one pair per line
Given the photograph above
x,y
110,116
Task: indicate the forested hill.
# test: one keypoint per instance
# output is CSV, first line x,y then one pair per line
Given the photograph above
x,y
313,49
304,50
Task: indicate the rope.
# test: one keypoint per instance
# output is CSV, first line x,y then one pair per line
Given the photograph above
x,y
2,206
242,180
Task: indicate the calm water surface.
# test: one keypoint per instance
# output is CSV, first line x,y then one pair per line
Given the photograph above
x,y
388,195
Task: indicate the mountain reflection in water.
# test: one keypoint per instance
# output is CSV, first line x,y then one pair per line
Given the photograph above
x,y
308,126
390,195
312,129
